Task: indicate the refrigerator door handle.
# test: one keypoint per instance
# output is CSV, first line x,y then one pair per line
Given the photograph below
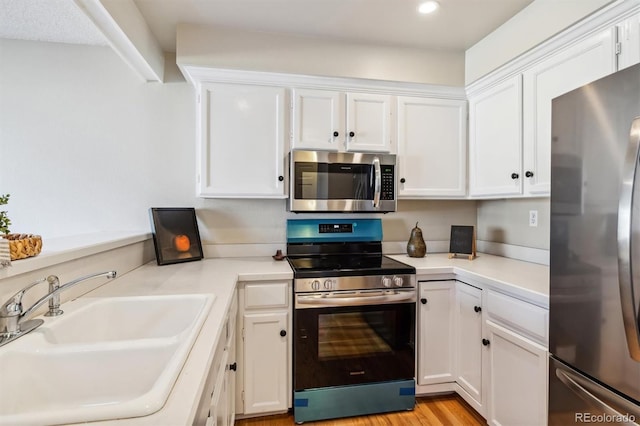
x,y
579,385
628,294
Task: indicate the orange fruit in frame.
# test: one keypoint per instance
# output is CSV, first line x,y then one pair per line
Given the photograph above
x,y
181,243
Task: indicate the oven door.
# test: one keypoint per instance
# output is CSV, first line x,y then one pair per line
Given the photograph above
x,y
326,181
356,338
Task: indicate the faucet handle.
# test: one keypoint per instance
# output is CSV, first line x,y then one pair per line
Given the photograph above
x,y
13,306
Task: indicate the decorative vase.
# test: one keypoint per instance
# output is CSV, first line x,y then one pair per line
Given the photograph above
x,y
416,246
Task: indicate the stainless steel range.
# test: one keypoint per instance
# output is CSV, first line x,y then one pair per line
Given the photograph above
x,y
354,321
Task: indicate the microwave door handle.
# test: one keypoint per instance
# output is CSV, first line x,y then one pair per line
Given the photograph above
x,y
628,294
377,185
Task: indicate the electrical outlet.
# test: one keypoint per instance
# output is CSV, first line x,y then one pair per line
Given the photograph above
x,y
533,217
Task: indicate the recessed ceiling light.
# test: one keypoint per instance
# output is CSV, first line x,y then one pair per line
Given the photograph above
x,y
428,7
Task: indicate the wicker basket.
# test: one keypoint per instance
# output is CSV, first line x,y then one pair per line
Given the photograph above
x,y
22,246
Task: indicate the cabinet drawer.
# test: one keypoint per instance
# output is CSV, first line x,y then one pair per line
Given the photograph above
x,y
519,316
266,295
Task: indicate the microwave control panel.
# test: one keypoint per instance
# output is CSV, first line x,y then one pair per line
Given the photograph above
x,y
388,183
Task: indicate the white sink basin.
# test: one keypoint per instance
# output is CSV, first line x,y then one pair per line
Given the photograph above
x,y
126,318
104,359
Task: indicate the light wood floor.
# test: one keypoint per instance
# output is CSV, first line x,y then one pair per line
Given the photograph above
x,y
444,410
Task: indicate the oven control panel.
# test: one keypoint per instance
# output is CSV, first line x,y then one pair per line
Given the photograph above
x,y
303,285
335,228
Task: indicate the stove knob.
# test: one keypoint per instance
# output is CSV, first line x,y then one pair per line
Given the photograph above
x,y
315,285
328,284
386,282
398,281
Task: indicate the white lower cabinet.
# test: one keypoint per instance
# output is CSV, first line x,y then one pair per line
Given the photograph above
x,y
517,378
489,347
217,403
468,358
436,332
264,348
515,349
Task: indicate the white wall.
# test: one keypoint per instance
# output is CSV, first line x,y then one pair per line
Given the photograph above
x,y
86,146
233,49
507,221
533,25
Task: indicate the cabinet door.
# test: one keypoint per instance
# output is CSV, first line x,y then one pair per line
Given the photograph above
x,y
432,147
517,379
629,42
230,379
219,399
469,339
318,120
495,140
242,141
368,120
569,69
436,328
265,362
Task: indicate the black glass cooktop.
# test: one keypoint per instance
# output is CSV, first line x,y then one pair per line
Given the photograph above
x,y
347,265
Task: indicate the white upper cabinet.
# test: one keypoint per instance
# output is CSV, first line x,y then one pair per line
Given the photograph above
x,y
368,123
495,139
629,42
319,120
432,147
242,141
338,121
567,70
510,121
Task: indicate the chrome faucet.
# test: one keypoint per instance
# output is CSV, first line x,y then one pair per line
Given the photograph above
x,y
14,322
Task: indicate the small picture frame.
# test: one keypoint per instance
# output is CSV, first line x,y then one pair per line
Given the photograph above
x,y
462,241
175,234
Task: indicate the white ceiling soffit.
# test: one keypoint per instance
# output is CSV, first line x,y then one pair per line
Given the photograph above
x,y
126,30
47,20
456,25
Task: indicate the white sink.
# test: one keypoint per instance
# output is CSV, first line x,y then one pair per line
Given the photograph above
x,y
126,318
90,365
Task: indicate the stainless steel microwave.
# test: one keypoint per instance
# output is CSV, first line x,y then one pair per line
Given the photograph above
x,y
324,181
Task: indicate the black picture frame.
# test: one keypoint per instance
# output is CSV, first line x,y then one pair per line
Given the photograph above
x,y
175,234
462,241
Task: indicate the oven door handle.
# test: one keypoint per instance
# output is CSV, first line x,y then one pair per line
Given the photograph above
x,y
337,300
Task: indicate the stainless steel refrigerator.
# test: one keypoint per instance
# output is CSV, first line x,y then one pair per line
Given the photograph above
x,y
594,327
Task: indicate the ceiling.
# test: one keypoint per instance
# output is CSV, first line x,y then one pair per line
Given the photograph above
x,y
457,25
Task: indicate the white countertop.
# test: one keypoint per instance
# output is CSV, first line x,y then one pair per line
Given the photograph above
x,y
220,276
528,281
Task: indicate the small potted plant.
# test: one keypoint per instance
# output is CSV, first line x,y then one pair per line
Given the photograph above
x,y
20,245
4,219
